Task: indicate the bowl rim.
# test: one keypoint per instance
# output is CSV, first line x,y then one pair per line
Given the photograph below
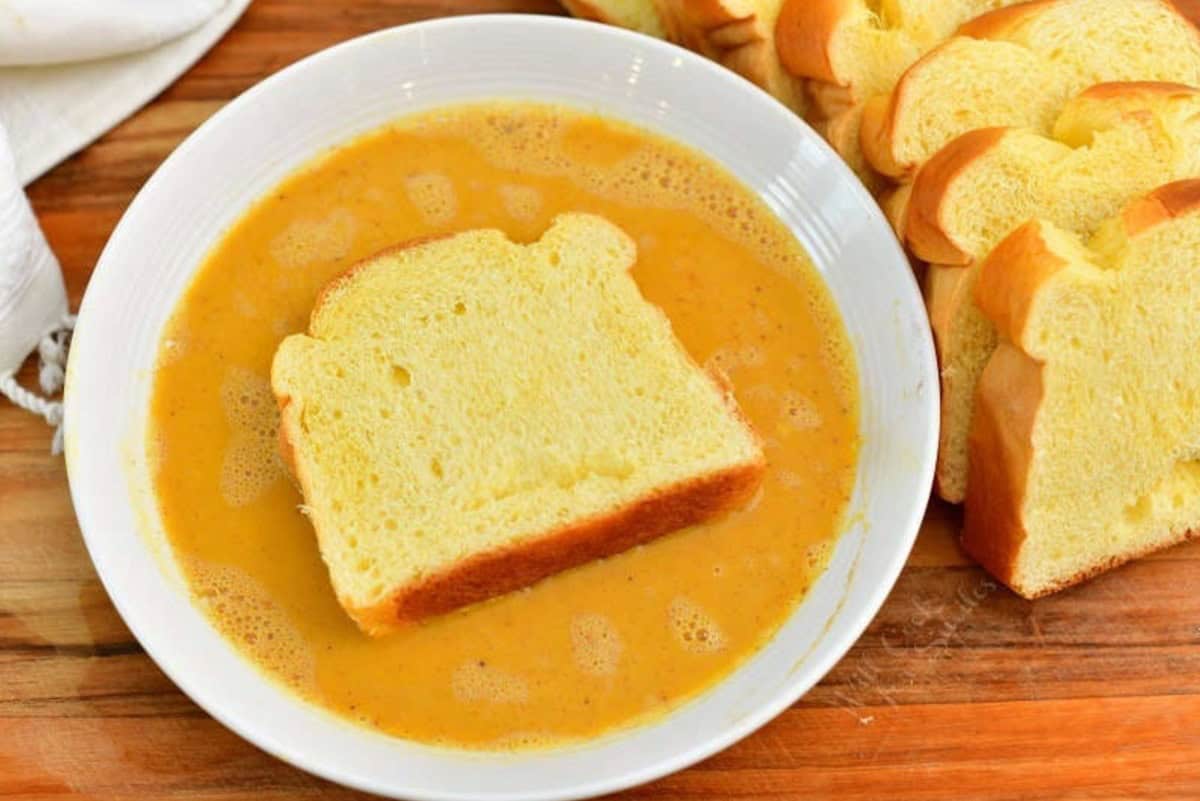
x,y
799,682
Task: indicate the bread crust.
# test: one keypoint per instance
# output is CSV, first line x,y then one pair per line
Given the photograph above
x,y
1009,394
502,570
894,202
1010,277
1002,20
1163,204
804,34
878,123
486,575
923,226
1189,10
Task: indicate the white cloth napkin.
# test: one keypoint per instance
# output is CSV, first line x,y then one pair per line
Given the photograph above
x,y
60,31
69,71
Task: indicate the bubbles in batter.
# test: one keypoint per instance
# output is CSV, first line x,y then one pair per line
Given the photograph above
x,y
434,196
244,304
818,554
477,681
251,462
244,612
647,173
693,628
724,359
799,412
308,239
524,741
596,644
752,356
522,203
790,479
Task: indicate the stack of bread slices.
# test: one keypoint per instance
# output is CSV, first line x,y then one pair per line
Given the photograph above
x,y
1041,162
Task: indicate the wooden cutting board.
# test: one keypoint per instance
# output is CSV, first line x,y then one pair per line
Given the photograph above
x,y
958,690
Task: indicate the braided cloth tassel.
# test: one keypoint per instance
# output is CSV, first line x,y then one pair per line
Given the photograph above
x,y
52,355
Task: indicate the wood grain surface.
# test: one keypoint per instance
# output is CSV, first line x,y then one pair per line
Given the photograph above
x,y
958,690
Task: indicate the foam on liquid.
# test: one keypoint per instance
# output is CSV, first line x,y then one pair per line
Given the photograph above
x,y
252,461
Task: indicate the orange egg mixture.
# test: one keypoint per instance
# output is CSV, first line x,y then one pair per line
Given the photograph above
x,y
604,645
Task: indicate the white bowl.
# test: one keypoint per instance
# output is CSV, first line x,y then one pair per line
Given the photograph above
x,y
278,125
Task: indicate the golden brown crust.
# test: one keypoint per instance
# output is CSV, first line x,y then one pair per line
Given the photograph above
x,y
1010,277
505,569
287,447
1166,203
894,202
1125,89
803,34
998,23
875,135
1188,9
941,288
1006,405
923,226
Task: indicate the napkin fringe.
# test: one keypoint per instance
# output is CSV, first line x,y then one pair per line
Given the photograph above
x,y
52,355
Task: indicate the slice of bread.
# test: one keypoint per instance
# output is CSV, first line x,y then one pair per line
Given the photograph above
x,y
468,415
636,15
1113,143
1018,65
739,34
1086,441
852,50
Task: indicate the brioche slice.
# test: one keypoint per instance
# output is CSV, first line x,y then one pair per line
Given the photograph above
x,y
468,415
740,34
636,15
1086,441
1018,65
1113,143
852,50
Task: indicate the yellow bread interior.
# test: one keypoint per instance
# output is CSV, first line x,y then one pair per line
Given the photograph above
x,y
1129,139
470,394
1018,65
1089,436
